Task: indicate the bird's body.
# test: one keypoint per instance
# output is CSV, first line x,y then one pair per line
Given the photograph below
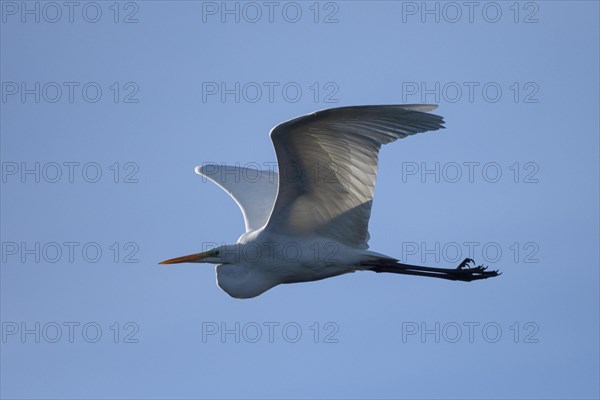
x,y
310,220
263,259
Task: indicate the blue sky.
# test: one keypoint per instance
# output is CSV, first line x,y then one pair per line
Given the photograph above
x,y
103,122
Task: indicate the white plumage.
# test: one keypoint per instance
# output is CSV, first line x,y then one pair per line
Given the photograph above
x,y
310,221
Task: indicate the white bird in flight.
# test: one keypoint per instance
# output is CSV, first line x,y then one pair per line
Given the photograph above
x,y
310,221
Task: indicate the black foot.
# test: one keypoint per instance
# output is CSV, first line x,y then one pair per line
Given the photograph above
x,y
464,273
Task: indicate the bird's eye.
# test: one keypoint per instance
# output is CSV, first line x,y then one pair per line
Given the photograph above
x,y
217,252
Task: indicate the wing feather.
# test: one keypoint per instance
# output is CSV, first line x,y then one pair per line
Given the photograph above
x,y
328,167
253,190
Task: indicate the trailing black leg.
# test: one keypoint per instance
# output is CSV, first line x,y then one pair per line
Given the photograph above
x,y
462,273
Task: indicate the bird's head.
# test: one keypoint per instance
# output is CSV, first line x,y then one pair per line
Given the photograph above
x,y
235,275
219,255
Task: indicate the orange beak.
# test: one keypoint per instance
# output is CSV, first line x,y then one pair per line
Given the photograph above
x,y
191,258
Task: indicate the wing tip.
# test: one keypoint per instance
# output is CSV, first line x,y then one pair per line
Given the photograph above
x,y
199,169
208,170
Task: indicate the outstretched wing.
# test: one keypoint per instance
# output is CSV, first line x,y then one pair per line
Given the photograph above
x,y
253,190
328,166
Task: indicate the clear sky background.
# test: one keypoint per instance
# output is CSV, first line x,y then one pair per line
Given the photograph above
x,y
517,84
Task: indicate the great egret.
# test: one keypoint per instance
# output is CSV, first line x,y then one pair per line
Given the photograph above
x,y
310,221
